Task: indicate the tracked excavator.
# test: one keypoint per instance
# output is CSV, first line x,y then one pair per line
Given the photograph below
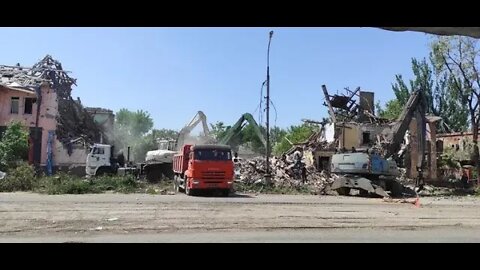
x,y
229,137
374,172
160,162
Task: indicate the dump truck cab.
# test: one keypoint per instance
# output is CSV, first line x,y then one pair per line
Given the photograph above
x,y
203,167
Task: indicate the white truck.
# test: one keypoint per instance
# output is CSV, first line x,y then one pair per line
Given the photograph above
x,y
101,161
158,162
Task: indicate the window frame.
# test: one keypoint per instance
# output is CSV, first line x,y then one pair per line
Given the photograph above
x,y
11,105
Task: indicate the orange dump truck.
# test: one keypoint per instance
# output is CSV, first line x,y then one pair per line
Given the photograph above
x,y
203,167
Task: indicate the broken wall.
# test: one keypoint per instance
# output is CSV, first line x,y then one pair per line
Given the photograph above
x,y
366,101
6,116
359,135
105,119
46,113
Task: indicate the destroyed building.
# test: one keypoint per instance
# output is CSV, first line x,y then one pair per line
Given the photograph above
x,y
40,98
105,119
353,126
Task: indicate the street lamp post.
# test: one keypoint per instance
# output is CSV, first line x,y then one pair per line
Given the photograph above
x,y
268,174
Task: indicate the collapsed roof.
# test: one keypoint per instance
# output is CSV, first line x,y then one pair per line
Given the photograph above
x,y
73,121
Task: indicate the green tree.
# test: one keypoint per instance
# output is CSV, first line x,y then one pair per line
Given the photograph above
x,y
164,134
392,110
295,134
14,145
438,92
131,130
217,130
457,58
137,123
250,138
277,134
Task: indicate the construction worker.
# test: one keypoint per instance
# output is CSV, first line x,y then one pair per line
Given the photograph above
x,y
121,159
464,179
304,174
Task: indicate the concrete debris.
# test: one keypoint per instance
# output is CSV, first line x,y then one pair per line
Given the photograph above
x,y
285,174
412,201
403,179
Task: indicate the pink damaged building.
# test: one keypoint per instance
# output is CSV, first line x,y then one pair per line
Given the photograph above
x,y
40,97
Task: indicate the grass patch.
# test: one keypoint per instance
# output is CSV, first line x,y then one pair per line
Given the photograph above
x,y
21,178
68,184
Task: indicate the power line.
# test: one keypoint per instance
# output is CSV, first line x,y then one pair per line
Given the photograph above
x,y
261,101
271,102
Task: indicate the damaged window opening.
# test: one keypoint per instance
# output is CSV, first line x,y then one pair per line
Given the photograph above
x,y
366,137
29,105
14,105
98,151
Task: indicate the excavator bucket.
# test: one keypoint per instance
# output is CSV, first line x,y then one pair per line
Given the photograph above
x,y
344,184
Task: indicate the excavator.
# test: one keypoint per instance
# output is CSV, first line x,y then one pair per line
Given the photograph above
x,y
183,135
374,172
160,162
228,138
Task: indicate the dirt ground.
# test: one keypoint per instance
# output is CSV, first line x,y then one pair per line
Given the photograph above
x,y
27,217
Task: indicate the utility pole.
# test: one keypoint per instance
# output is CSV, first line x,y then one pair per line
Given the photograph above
x,y
268,175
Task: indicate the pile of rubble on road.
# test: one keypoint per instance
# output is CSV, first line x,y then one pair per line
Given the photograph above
x,y
451,187
285,174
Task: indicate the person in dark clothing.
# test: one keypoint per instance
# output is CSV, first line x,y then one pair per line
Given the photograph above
x,y
304,174
464,180
353,149
121,159
235,157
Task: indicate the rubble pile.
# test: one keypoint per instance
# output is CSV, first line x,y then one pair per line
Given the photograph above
x,y
74,122
285,174
403,179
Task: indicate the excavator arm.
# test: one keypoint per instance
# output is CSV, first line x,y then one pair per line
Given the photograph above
x,y
235,129
415,107
185,131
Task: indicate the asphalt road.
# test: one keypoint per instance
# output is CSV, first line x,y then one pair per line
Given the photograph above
x,y
26,217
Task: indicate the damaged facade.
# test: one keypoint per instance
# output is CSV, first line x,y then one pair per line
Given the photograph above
x,y
40,98
105,119
355,127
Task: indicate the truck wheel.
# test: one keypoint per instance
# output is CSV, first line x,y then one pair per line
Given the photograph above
x,y
168,171
153,175
396,189
225,192
176,188
101,172
344,191
188,190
